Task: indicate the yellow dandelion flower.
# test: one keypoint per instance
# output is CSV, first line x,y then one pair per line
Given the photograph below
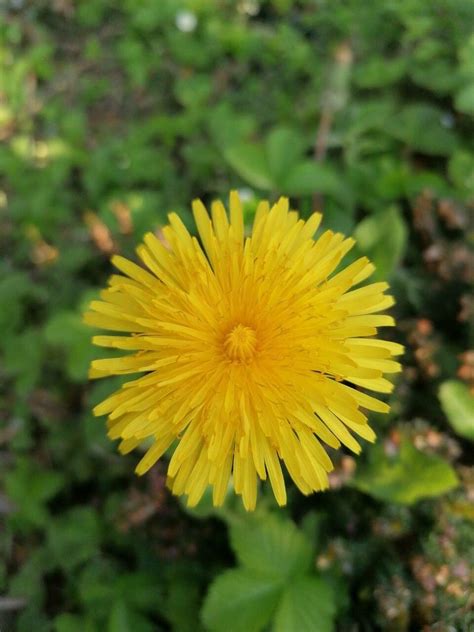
x,y
253,350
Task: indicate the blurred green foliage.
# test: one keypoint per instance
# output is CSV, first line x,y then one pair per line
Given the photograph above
x,y
112,114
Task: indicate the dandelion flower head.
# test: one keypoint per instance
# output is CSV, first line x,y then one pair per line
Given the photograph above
x,y
253,351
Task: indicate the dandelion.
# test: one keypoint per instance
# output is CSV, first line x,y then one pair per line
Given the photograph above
x,y
253,349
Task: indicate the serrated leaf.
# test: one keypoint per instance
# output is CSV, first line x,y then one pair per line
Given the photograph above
x,y
240,601
458,405
250,163
307,605
382,237
271,546
406,477
309,177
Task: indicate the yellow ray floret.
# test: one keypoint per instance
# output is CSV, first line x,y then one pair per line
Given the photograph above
x,y
251,351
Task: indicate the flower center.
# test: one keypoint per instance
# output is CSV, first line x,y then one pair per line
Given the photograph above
x,y
240,343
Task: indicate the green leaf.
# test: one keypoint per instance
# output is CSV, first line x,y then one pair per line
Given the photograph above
x,y
250,163
406,477
420,126
30,487
14,289
73,538
458,406
464,99
28,581
461,170
229,125
73,623
307,605
382,237
183,602
100,584
95,586
124,619
140,590
66,331
32,619
240,601
379,72
193,91
23,358
119,620
284,147
271,546
309,177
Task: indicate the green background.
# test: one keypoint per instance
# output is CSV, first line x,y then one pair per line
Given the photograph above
x,y
113,114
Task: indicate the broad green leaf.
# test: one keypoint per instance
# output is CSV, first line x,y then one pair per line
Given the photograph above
x,y
458,406
421,127
240,601
406,477
307,605
250,163
284,148
382,237
271,546
309,177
